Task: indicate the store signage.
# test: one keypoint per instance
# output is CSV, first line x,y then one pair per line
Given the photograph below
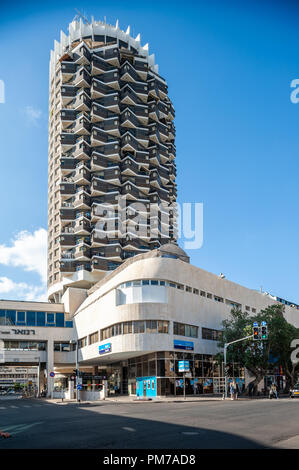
x,y
23,332
18,332
186,345
184,366
105,348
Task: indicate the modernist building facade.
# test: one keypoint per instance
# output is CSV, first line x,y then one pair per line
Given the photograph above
x,y
125,306
111,139
133,328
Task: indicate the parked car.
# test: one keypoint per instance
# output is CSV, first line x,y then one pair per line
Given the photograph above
x,y
294,393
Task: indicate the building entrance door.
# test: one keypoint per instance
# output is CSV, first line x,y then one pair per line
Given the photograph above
x,y
144,388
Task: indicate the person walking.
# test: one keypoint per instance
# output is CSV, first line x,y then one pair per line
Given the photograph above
x,y
232,390
274,388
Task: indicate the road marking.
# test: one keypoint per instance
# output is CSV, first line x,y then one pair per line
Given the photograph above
x,y
13,406
17,428
190,433
129,429
2,407
26,406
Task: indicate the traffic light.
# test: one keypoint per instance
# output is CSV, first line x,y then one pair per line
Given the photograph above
x,y
264,331
256,332
75,372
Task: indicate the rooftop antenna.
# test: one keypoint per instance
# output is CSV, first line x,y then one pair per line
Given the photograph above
x,y
80,15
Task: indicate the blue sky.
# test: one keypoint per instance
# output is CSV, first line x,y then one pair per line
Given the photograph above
x,y
229,66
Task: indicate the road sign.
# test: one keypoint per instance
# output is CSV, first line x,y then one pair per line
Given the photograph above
x,y
264,323
255,323
52,374
79,387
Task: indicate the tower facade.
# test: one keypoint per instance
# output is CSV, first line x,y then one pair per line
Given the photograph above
x,y
111,187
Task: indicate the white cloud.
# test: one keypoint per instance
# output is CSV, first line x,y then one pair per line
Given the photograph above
x,y
29,252
33,115
22,291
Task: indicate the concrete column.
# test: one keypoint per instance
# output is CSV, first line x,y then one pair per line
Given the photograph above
x,y
50,367
71,389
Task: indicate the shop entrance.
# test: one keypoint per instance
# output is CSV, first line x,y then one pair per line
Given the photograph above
x,y
146,387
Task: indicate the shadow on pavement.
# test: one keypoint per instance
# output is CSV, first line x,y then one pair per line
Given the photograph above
x,y
76,427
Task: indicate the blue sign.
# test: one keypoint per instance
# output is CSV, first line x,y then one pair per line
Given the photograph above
x,y
255,323
264,323
184,366
187,345
105,348
79,387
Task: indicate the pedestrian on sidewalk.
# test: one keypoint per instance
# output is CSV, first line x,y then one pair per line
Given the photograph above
x,y
273,391
232,390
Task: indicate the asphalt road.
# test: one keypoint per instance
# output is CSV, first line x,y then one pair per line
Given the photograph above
x,y
36,424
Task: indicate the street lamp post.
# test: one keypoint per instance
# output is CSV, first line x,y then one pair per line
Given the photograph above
x,y
226,345
38,377
77,370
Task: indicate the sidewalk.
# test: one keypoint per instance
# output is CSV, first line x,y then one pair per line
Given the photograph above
x,y
133,399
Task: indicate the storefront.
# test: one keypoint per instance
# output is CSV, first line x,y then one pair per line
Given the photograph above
x,y
158,374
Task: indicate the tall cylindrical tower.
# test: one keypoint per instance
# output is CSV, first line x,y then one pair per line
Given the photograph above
x,y
111,139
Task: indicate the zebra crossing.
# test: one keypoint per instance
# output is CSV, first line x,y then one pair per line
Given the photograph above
x,y
20,406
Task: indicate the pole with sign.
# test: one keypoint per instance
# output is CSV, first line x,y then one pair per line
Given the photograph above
x,y
184,366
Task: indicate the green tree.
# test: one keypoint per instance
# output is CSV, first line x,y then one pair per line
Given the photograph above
x,y
259,356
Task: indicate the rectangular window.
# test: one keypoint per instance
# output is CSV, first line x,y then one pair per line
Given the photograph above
x,y
10,317
82,342
94,338
31,319
213,335
182,329
50,319
162,326
151,326
40,318
138,326
21,318
127,327
59,319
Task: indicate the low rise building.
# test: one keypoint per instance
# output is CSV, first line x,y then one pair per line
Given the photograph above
x,y
133,328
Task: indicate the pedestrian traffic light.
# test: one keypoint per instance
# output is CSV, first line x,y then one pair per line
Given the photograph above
x,y
256,333
75,371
